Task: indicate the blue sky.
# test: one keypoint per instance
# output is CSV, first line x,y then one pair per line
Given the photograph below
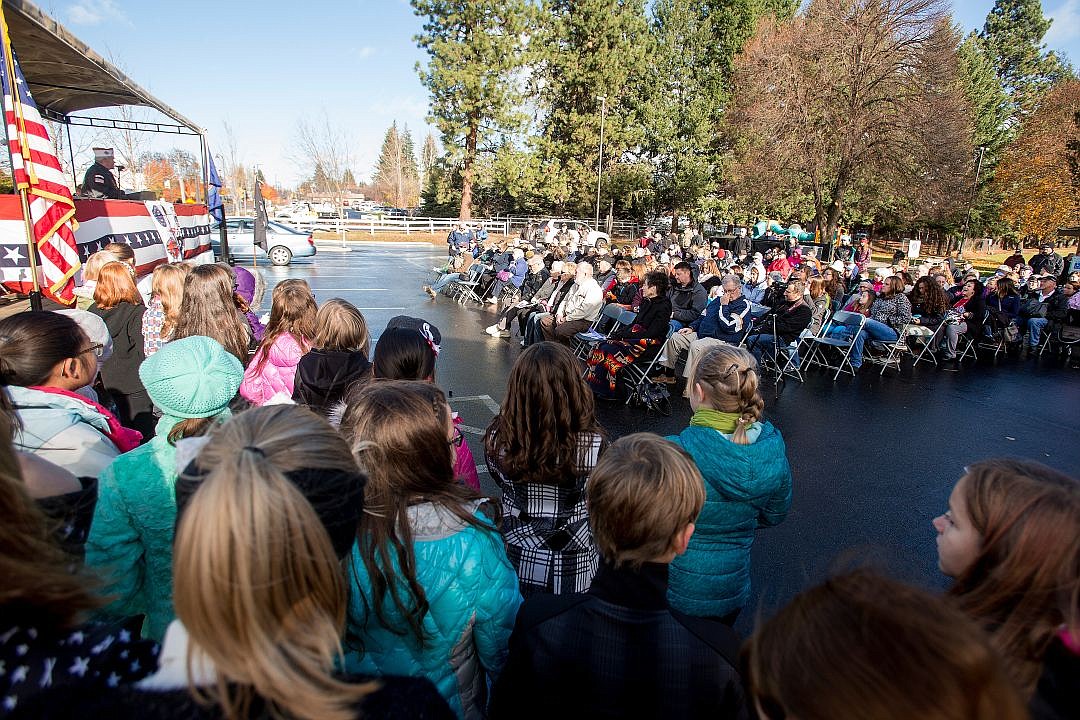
x,y
262,66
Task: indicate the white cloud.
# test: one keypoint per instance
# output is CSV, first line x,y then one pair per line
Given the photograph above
x,y
1066,26
96,12
364,52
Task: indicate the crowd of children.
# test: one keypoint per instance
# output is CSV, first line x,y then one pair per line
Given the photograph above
x,y
205,517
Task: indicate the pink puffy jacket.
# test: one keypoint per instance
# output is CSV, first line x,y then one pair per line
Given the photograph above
x,y
277,373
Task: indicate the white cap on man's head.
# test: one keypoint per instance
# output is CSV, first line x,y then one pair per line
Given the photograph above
x,y
102,153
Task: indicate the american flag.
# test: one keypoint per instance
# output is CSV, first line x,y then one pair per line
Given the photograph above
x,y
36,170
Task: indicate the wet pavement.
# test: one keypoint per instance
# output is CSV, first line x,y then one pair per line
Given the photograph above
x,y
874,458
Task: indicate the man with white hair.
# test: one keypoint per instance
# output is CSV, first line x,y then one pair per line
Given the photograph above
x,y
724,320
578,310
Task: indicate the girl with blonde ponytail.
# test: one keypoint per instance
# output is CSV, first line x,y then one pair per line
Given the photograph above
x,y
743,462
267,513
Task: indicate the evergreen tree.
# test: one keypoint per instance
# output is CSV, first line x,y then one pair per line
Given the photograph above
x,y
475,49
410,168
348,180
429,155
696,42
990,110
395,174
584,49
1013,34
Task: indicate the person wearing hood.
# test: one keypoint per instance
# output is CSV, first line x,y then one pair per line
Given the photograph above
x,y
338,359
604,273
743,461
250,288
191,382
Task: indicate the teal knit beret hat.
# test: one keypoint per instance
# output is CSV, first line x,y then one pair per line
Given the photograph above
x,y
193,377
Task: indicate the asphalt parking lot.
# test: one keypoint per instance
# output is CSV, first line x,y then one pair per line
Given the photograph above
x,y
874,458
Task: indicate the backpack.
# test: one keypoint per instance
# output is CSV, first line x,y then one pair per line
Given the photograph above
x,y
652,396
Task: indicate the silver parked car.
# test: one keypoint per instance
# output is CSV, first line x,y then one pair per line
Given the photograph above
x,y
282,242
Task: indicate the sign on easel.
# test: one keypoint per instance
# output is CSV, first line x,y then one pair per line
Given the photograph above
x,y
913,248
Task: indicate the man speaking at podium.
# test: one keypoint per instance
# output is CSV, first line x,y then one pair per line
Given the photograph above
x,y
99,181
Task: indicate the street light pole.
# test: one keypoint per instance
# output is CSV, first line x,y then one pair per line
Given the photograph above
x,y
971,200
600,162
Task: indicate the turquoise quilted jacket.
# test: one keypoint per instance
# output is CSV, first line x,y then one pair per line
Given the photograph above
x,y
746,487
130,543
474,598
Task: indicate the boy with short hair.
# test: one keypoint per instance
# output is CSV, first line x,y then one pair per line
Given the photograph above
x,y
620,650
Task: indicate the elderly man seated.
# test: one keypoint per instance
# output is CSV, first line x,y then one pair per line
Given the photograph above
x,y
578,309
724,320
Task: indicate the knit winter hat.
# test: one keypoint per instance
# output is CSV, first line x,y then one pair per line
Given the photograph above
x,y
192,377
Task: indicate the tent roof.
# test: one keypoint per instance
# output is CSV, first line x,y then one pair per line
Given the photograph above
x,y
64,74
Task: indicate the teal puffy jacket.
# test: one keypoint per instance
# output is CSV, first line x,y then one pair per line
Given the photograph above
x,y
473,594
746,487
130,543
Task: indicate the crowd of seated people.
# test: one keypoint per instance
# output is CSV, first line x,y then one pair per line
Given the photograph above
x,y
299,535
942,305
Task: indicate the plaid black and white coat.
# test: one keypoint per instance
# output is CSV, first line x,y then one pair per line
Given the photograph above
x,y
546,527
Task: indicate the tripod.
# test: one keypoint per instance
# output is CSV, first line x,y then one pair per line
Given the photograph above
x,y
770,364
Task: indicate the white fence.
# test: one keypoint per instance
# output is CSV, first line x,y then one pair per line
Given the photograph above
x,y
433,226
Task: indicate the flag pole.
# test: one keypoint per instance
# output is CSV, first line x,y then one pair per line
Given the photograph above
x,y
31,246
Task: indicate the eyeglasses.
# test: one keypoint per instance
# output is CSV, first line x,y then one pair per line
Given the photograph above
x,y
97,348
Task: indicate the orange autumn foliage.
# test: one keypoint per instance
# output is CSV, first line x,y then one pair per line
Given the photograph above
x,y
1033,175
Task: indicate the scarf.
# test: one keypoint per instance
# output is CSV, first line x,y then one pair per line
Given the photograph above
x,y
722,421
123,438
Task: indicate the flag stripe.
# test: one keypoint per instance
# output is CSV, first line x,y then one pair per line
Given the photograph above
x,y
37,172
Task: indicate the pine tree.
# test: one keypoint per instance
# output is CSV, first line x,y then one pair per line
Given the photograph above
x,y
395,175
475,49
348,180
688,85
584,49
1013,34
429,155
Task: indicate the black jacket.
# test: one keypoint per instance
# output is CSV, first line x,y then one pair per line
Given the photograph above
x,y
533,282
98,182
618,651
324,376
652,321
396,697
687,302
791,319
120,372
1055,696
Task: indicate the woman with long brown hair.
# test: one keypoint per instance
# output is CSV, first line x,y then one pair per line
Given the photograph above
x,y
433,594
208,308
1011,542
540,450
118,303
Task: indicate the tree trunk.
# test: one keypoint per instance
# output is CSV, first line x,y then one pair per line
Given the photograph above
x,y
467,172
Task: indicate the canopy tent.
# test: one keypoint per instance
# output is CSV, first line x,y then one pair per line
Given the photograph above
x,y
65,76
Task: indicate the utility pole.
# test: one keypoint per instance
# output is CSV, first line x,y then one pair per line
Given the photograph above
x,y
600,162
971,200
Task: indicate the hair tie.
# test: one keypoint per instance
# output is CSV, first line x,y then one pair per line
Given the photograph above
x,y
256,450
426,332
743,420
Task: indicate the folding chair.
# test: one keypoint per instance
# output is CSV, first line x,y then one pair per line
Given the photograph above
x,y
466,289
896,350
583,341
967,342
636,373
1067,336
929,343
996,339
851,320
